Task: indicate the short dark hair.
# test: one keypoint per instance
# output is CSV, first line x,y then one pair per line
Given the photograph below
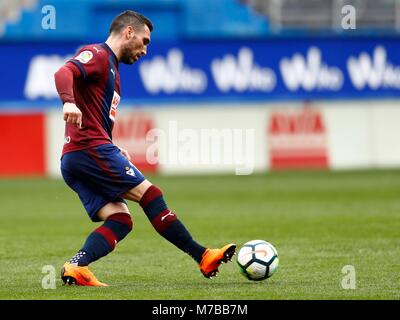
x,y
130,18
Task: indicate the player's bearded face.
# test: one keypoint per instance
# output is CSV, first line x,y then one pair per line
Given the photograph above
x,y
129,54
134,49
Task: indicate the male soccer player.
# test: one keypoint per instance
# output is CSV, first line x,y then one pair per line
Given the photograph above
x,y
100,172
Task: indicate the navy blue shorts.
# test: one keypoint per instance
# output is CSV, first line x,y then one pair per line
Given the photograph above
x,y
99,175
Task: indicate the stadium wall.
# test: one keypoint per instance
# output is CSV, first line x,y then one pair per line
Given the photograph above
x,y
255,137
207,106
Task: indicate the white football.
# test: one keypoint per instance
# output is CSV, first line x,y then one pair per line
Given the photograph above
x,y
257,260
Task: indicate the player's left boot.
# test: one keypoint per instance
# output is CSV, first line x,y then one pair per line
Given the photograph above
x,y
81,276
212,259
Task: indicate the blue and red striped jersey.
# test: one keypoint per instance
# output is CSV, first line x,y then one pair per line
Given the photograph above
x,y
96,89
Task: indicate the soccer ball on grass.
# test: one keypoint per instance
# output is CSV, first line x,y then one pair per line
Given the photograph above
x,y
257,260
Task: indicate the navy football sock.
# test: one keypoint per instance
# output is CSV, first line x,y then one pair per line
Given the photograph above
x,y
103,240
167,224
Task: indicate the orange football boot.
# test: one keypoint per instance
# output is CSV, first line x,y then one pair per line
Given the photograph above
x,y
80,276
212,259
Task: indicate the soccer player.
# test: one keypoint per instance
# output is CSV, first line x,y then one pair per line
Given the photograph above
x,y
100,172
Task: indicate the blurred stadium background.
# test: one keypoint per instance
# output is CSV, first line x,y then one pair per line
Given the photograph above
x,y
316,94
313,93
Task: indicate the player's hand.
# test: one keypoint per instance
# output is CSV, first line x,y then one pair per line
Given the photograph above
x,y
125,153
72,114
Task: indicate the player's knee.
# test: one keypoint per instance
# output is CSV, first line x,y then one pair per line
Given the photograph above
x,y
137,193
124,220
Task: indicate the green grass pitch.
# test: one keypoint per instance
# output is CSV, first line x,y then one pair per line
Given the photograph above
x,y
319,222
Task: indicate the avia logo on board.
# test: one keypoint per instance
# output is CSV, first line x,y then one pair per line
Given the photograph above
x,y
130,132
297,139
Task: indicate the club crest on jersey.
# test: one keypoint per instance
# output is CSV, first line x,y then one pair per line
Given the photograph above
x,y
84,56
114,104
129,171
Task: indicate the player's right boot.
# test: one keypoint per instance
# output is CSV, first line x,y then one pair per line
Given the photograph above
x,y
80,276
212,259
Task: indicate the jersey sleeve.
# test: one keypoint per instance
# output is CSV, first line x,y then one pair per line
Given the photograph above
x,y
91,62
64,81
